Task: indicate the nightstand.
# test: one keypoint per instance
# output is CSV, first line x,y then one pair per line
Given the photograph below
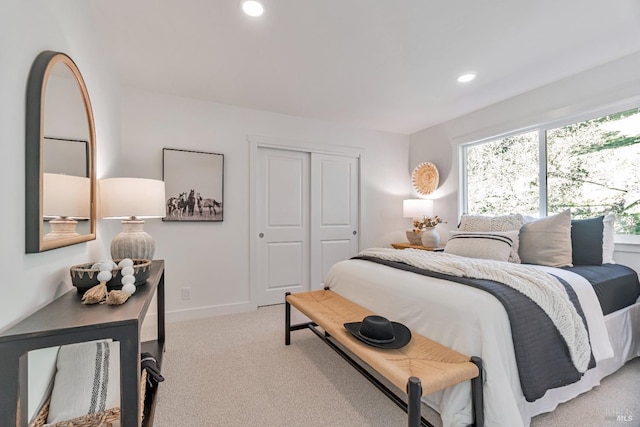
x,y
411,246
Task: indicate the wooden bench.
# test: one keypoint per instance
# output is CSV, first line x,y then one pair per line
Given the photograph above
x,y
421,367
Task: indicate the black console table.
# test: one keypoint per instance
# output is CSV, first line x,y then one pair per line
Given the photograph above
x,y
65,321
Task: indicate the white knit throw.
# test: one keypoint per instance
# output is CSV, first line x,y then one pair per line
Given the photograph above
x,y
543,288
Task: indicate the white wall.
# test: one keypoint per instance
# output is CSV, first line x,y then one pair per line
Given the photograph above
x,y
213,257
617,82
27,28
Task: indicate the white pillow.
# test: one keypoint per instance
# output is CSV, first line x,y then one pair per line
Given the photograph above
x,y
87,380
494,223
547,241
494,245
607,239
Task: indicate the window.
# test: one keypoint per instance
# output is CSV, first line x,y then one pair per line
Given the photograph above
x,y
503,176
591,167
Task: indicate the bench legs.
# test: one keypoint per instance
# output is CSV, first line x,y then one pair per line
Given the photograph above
x,y
477,399
414,393
288,327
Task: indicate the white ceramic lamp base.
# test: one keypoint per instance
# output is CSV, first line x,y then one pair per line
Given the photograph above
x,y
133,241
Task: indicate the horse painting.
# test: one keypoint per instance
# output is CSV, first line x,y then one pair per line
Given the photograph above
x,y
172,206
199,203
200,175
211,205
192,204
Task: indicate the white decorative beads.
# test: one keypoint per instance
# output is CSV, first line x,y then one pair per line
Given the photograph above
x,y
103,266
104,276
127,262
129,288
128,280
127,272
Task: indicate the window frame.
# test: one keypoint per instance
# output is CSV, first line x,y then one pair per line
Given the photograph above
x,y
542,129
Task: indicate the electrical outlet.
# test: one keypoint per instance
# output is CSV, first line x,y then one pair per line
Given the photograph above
x,y
186,293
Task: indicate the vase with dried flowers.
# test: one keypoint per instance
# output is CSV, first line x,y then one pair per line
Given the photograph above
x,y
425,227
429,237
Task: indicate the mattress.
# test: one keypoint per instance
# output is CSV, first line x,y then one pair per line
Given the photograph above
x,y
616,285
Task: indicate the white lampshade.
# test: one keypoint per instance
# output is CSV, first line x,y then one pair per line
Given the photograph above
x,y
66,196
132,197
417,208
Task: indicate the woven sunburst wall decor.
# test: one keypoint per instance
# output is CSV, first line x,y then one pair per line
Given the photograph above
x,y
425,178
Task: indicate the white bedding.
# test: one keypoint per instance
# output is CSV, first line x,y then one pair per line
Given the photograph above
x,y
472,322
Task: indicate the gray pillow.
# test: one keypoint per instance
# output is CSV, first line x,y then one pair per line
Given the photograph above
x,y
547,241
586,240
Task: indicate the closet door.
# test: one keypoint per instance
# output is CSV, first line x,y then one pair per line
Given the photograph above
x,y
307,211
282,203
334,213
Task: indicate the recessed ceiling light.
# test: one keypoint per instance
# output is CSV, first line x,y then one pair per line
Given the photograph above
x,y
252,7
466,77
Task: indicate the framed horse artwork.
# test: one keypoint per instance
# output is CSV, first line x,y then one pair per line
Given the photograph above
x,y
194,185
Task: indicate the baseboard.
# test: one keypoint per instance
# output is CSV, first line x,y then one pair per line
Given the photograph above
x,y
210,311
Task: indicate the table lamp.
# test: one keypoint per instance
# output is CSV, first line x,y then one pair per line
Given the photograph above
x,y
65,198
416,209
132,199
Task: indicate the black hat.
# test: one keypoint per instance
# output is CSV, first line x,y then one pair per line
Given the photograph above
x,y
379,332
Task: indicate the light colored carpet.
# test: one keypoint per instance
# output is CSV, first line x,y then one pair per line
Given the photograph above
x,y
236,371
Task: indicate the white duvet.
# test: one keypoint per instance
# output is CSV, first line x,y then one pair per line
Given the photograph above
x,y
465,319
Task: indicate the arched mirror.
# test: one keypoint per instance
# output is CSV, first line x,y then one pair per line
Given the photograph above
x,y
60,153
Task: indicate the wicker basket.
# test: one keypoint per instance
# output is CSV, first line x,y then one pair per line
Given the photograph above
x,y
102,418
83,277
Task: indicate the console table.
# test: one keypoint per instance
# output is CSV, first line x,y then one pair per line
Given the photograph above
x,y
66,321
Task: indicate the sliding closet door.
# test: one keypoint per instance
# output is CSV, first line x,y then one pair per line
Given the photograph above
x,y
307,211
334,212
282,204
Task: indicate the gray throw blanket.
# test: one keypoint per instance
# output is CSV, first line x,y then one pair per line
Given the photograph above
x,y
543,358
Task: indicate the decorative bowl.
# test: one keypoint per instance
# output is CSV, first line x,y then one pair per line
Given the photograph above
x,y
414,238
84,277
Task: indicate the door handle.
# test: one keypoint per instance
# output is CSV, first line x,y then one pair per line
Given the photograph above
x,y
261,235
355,232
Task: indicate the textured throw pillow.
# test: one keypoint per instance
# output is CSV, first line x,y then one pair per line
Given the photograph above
x,y
547,241
607,239
87,380
495,245
494,223
586,241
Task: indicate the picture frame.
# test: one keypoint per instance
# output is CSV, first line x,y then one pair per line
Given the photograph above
x,y
194,183
65,156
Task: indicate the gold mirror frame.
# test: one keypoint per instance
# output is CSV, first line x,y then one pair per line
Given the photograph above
x,y
39,75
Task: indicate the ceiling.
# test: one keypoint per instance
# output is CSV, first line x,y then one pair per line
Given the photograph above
x,y
389,65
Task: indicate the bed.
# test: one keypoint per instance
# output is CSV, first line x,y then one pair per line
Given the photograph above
x,y
472,321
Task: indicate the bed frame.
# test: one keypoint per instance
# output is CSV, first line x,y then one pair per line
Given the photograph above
x,y
420,368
